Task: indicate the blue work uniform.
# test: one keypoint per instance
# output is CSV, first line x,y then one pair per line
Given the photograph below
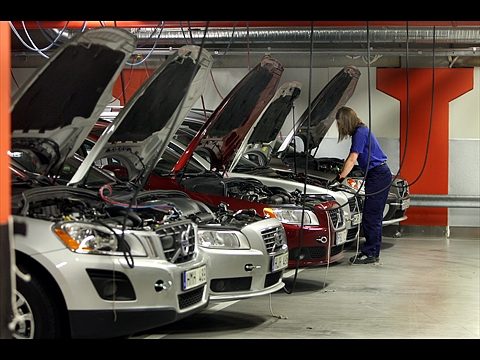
x,y
377,182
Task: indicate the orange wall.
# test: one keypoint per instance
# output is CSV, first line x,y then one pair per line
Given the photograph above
x,y
132,80
449,84
4,122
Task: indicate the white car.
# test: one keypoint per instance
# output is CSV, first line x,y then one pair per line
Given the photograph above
x,y
96,270
246,253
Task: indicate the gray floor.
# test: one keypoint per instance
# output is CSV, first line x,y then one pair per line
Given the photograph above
x,y
424,288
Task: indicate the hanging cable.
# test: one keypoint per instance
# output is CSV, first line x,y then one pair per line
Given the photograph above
x,y
302,220
248,46
230,42
183,32
147,169
215,85
204,108
126,87
153,47
369,137
294,142
190,32
48,37
432,108
35,47
407,77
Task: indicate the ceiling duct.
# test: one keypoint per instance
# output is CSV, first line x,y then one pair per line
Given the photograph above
x,y
460,36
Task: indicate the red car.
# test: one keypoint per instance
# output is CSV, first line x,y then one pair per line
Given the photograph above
x,y
323,224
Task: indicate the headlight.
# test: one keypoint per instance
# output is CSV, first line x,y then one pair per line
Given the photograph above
x,y
222,240
292,216
95,239
354,183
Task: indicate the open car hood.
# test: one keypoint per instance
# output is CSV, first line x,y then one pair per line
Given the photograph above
x,y
55,109
263,134
324,108
225,129
143,128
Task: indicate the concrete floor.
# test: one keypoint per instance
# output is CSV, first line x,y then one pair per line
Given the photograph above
x,y
425,287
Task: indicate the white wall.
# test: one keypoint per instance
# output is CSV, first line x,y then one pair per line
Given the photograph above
x,y
464,161
464,146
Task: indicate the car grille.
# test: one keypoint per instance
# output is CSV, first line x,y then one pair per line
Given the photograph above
x,y
353,205
336,215
177,241
352,233
190,298
273,238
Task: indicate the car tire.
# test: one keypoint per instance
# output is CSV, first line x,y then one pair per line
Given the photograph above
x,y
37,307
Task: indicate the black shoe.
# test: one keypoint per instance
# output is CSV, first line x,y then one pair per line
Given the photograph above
x,y
363,259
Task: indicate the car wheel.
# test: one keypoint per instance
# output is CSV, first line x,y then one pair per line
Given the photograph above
x,y
39,318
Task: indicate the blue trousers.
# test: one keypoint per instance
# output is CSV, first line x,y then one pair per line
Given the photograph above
x,y
377,179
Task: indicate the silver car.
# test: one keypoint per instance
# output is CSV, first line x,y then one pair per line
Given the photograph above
x,y
246,253
93,268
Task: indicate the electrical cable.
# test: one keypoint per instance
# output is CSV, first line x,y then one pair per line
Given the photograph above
x,y
248,46
230,42
407,77
278,316
369,136
431,111
302,220
215,85
406,137
143,178
204,108
153,47
34,48
190,32
48,37
184,36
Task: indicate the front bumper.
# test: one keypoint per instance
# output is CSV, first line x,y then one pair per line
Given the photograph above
x,y
311,247
93,314
108,323
241,274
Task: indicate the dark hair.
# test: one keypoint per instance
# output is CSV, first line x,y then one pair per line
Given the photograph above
x,y
347,122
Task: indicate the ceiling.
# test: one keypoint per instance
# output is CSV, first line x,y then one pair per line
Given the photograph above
x,y
385,44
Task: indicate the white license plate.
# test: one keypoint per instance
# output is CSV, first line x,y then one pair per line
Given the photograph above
x,y
405,204
356,219
280,262
195,277
341,237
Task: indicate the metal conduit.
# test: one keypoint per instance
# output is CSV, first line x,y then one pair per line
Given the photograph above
x,y
450,201
330,35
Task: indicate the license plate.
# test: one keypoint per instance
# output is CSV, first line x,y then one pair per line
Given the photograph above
x,y
280,261
341,237
356,219
194,277
405,204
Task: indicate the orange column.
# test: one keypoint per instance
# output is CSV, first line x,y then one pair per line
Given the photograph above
x,y
5,261
449,84
132,80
